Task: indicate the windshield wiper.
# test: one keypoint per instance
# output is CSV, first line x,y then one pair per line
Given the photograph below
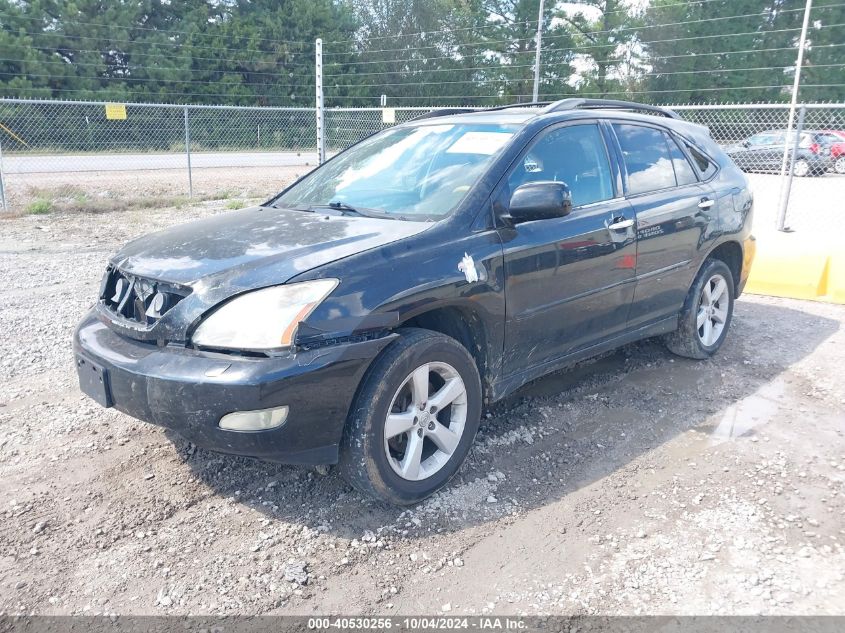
x,y
349,209
294,208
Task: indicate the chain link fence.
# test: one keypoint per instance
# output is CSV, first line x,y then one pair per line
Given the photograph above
x,y
97,154
61,153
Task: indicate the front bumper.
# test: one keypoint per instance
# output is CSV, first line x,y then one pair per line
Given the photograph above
x,y
188,391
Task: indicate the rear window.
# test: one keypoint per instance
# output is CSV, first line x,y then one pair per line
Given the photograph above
x,y
647,158
706,167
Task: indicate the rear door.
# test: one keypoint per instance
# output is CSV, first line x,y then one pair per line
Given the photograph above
x,y
673,211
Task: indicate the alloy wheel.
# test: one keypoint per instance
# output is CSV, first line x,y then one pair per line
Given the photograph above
x,y
839,165
426,421
801,168
712,313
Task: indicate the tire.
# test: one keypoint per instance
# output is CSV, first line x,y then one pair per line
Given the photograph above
x,y
839,165
383,467
801,168
693,339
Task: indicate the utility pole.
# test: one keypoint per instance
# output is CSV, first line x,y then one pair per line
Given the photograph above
x,y
784,191
318,103
537,53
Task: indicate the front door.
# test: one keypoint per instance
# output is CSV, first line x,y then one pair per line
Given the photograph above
x,y
568,281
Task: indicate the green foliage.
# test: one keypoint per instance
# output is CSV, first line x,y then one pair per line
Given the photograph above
x,y
39,206
417,52
235,204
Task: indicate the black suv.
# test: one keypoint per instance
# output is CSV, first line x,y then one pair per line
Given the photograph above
x,y
367,314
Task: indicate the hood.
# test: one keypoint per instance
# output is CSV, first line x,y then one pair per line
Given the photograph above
x,y
254,247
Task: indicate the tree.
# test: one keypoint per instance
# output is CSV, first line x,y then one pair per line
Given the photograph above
x,y
605,37
729,50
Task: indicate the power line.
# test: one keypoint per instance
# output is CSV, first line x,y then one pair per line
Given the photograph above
x,y
524,79
576,93
534,22
143,95
589,33
149,28
155,81
613,45
645,60
71,65
186,57
139,42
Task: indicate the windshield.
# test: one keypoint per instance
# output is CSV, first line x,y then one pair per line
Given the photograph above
x,y
415,173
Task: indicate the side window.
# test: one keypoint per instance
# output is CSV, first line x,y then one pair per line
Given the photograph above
x,y
574,154
705,166
647,158
683,171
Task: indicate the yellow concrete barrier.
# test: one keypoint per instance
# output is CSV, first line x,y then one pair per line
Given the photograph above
x,y
788,266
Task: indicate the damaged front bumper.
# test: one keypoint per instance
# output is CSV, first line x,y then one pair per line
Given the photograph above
x,y
189,391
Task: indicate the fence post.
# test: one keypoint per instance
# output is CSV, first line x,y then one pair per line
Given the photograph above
x,y
784,194
787,188
188,154
537,54
2,180
318,102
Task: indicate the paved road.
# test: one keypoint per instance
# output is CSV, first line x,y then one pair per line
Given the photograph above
x,y
136,162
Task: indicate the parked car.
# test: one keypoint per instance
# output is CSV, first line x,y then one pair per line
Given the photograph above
x,y
836,138
367,314
764,152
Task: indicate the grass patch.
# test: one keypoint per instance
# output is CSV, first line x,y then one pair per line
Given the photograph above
x,y
72,199
40,206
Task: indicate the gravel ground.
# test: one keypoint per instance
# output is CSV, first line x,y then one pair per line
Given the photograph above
x,y
635,483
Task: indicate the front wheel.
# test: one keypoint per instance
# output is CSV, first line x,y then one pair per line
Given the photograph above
x,y
707,312
801,168
413,420
839,165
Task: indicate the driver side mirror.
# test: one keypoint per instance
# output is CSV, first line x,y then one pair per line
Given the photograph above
x,y
541,200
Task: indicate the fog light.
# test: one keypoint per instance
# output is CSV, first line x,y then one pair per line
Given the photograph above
x,y
254,420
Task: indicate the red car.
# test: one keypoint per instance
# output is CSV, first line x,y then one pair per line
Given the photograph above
x,y
837,149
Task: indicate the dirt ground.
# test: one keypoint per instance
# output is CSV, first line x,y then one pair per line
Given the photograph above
x,y
635,483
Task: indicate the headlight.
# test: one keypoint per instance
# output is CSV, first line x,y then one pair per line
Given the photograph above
x,y
262,319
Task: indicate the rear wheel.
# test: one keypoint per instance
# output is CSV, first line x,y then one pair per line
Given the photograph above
x,y
706,316
414,419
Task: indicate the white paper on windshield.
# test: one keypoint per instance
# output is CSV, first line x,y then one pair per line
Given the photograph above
x,y
479,143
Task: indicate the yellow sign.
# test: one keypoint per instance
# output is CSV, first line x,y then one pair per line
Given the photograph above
x,y
116,111
388,115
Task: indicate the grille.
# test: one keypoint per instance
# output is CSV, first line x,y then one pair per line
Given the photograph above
x,y
137,299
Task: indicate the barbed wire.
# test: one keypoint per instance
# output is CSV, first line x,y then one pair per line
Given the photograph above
x,y
185,57
149,28
599,32
578,93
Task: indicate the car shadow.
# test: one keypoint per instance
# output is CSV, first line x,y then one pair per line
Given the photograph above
x,y
554,436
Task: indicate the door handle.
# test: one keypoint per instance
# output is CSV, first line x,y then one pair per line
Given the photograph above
x,y
621,224
706,203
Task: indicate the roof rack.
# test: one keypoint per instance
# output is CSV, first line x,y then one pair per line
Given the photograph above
x,y
443,112
526,104
573,103
610,104
449,111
